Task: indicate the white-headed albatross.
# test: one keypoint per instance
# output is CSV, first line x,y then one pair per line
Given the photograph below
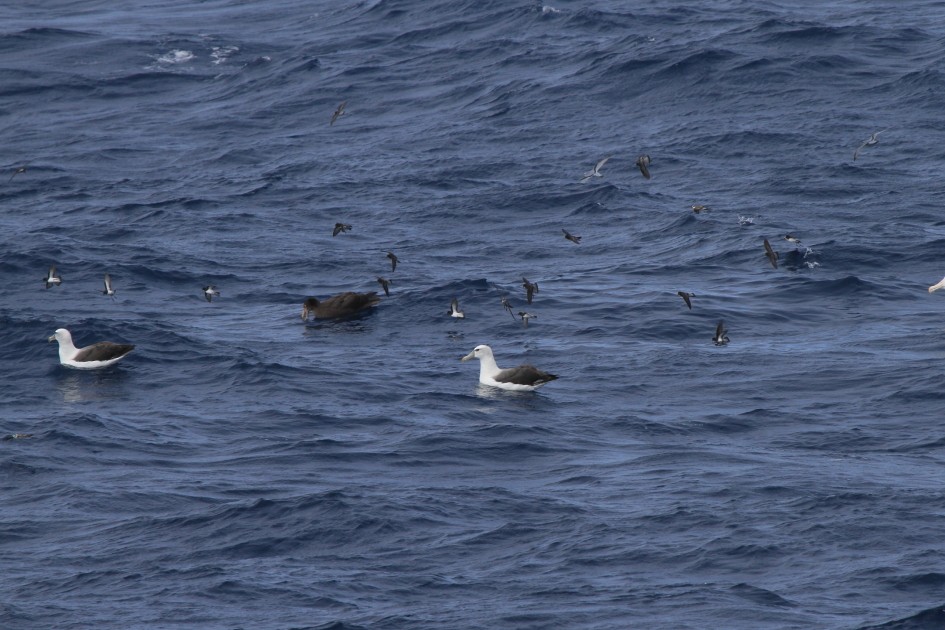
x,y
524,378
98,355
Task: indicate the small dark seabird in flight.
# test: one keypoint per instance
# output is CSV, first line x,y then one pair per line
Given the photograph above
x,y
792,239
643,162
571,237
339,228
686,296
531,288
525,378
454,310
338,113
525,317
771,254
16,436
508,306
341,305
595,172
385,283
109,289
51,277
101,354
16,172
721,335
699,208
209,291
868,143
393,261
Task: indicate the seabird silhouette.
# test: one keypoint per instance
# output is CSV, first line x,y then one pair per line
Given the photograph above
x,y
338,113
209,291
341,305
393,261
771,254
51,277
16,172
571,237
868,143
339,228
508,306
685,296
721,335
643,162
101,354
521,378
525,317
454,310
385,283
109,289
595,172
792,239
530,289
698,208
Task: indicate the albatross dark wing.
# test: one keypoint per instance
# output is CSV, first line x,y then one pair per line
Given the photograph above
x,y
524,375
103,351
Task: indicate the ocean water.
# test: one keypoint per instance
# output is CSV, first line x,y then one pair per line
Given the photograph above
x,y
243,469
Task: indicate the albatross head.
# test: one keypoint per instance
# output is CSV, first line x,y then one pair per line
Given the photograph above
x,y
478,352
61,335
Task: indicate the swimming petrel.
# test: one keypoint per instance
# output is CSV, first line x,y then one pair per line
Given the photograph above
x,y
454,310
571,237
108,290
531,288
341,305
595,172
522,378
51,277
393,261
771,254
525,317
338,113
721,335
643,162
97,355
868,143
339,228
209,291
685,296
384,282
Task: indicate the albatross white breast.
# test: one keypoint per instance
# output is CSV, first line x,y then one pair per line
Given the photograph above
x,y
522,378
98,355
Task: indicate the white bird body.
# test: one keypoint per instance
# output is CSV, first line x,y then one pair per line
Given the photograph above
x,y
937,286
98,355
524,378
595,172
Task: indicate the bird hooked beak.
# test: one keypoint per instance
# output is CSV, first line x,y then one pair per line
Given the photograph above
x,y
471,355
51,338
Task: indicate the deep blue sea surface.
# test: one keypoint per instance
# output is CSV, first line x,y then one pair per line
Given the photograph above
x,y
243,469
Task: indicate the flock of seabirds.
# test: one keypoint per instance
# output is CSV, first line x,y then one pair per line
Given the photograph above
x,y
349,304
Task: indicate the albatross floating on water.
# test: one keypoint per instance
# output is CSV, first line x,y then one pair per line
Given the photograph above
x,y
524,378
341,305
98,355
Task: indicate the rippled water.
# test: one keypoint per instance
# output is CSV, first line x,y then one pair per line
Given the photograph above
x,y
243,469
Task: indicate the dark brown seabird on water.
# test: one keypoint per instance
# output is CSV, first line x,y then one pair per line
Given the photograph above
x,y
341,305
339,228
571,237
